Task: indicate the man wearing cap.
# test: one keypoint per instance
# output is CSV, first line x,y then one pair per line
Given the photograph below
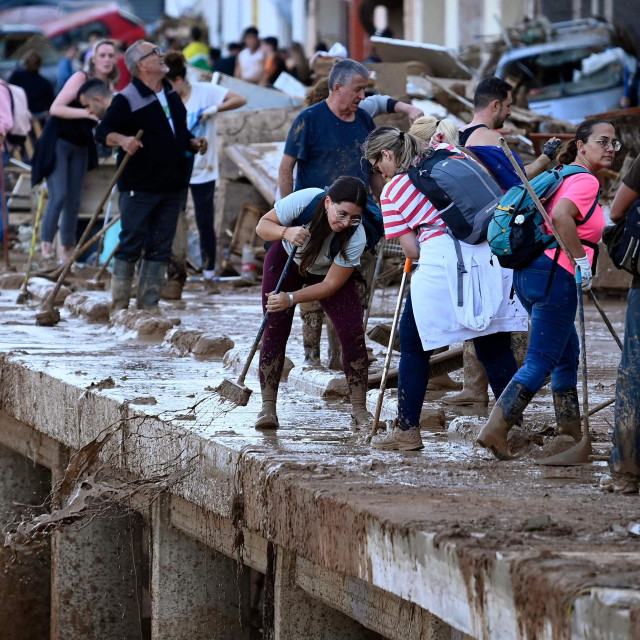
x,y
153,183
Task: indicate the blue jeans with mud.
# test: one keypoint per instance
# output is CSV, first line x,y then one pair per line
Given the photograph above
x,y
494,352
550,297
625,455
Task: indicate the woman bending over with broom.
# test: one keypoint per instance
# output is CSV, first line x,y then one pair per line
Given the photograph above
x,y
432,314
326,254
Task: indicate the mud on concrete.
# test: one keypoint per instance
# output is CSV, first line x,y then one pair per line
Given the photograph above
x,y
314,487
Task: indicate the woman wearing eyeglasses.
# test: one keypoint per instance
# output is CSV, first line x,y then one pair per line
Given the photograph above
x,y
326,254
547,289
433,316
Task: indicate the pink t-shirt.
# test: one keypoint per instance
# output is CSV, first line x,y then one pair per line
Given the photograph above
x,y
582,190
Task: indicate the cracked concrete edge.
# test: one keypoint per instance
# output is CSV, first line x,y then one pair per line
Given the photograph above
x,y
410,564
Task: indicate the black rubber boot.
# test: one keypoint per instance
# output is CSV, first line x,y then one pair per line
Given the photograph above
x,y
567,407
505,413
150,281
121,281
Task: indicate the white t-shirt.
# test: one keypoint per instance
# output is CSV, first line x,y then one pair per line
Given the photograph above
x,y
162,99
204,95
291,206
251,64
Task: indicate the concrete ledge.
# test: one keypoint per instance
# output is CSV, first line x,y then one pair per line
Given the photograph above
x,y
446,537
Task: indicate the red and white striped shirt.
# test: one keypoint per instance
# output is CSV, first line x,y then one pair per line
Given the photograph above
x,y
405,208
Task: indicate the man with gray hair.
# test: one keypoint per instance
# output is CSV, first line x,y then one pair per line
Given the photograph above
x,y
325,142
154,182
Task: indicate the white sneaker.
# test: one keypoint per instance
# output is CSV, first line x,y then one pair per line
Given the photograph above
x,y
399,440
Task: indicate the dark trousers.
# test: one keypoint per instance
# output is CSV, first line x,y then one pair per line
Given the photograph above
x,y
148,222
494,352
344,311
65,192
625,455
203,195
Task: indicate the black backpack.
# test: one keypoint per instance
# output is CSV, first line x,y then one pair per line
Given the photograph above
x,y
464,194
623,241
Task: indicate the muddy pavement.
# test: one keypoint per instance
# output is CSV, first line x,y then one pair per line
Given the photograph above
x,y
556,517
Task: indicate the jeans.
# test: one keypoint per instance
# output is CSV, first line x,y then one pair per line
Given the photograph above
x,y
494,352
344,311
65,191
550,298
148,222
203,195
625,455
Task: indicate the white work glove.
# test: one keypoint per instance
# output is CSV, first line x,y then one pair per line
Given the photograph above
x,y
585,272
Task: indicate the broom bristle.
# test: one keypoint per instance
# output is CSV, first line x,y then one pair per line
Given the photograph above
x,y
380,334
233,392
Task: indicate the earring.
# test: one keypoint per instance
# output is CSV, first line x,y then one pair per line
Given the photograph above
x,y
582,151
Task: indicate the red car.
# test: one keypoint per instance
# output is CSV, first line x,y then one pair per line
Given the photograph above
x,y
109,20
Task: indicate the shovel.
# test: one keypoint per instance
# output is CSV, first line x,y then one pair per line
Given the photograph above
x,y
24,294
48,315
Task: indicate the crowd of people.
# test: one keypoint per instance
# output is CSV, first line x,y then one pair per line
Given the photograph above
x,y
343,184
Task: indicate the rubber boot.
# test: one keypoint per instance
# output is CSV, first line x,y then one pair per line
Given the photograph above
x,y
121,281
567,407
519,346
267,416
361,418
505,413
311,331
474,391
150,281
335,348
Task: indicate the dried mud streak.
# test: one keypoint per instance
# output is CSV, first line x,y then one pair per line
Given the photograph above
x,y
546,586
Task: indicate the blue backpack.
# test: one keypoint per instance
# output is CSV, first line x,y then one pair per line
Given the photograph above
x,y
516,231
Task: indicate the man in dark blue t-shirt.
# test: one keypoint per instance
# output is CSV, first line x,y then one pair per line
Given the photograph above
x,y
325,139
325,142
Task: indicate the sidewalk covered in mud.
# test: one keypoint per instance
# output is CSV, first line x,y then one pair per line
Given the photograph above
x,y
442,543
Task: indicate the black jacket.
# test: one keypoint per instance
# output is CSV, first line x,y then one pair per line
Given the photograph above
x,y
164,163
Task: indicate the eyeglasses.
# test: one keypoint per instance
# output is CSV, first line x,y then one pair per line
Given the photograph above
x,y
154,52
345,219
605,143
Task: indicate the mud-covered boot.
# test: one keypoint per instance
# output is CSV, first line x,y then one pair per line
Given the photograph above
x,y
335,348
311,332
150,281
267,417
474,391
361,418
567,408
506,412
121,281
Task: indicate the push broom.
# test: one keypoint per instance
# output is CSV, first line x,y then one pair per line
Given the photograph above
x,y
237,392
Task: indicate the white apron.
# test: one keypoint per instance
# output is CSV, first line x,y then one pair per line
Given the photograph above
x,y
489,306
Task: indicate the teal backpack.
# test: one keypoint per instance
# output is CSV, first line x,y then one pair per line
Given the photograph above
x,y
516,231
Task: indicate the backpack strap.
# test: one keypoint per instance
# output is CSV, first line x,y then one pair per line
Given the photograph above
x,y
461,268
